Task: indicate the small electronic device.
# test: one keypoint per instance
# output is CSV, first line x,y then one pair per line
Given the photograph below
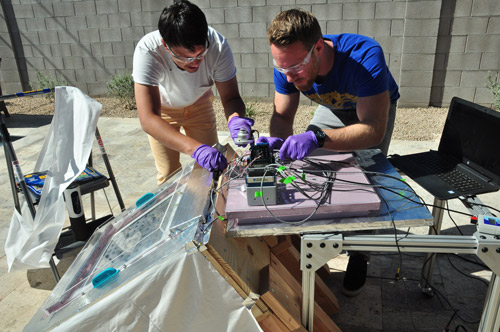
x,y
244,137
261,182
488,225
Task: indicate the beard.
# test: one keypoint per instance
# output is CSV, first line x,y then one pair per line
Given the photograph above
x,y
306,82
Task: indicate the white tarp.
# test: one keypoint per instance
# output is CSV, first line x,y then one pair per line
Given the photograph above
x,y
64,155
182,293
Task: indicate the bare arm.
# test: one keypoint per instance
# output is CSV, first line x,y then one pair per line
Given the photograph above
x,y
149,110
285,107
372,112
230,97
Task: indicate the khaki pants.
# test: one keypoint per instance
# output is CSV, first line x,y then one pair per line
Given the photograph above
x,y
198,121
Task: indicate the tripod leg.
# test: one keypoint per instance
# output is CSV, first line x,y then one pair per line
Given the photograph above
x,y
109,169
12,179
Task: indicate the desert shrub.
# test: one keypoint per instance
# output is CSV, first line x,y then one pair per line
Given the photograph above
x,y
494,87
250,111
121,86
46,81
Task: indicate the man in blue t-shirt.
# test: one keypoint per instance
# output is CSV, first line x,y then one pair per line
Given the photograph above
x,y
347,76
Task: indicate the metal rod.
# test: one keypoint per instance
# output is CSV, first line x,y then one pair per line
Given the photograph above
x,y
16,168
109,169
481,244
490,320
12,180
430,258
26,93
308,279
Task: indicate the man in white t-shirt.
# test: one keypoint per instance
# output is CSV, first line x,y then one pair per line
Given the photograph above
x,y
174,70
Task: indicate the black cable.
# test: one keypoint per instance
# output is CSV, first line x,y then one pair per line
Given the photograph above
x,y
429,205
464,274
435,290
323,195
484,205
449,322
453,220
322,190
484,266
400,268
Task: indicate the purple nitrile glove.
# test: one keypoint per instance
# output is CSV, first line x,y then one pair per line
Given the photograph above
x,y
297,147
274,142
235,124
209,158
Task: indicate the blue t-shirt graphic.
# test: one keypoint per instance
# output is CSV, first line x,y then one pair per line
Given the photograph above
x,y
359,70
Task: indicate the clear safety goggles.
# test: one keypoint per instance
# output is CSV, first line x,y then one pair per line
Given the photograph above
x,y
187,59
297,68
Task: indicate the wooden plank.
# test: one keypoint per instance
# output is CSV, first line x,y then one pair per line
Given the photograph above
x,y
272,241
281,301
271,323
286,318
323,322
289,257
233,278
278,273
259,308
244,256
286,275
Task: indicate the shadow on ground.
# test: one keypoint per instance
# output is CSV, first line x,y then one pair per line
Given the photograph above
x,y
27,121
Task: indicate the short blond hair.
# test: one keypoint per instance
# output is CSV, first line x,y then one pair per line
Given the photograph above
x,y
294,25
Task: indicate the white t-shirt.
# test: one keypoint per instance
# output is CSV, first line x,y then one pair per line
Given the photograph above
x,y
154,66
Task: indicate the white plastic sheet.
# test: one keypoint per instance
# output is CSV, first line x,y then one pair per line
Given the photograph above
x,y
65,152
182,293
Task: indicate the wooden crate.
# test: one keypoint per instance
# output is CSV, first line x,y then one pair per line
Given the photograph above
x,y
266,271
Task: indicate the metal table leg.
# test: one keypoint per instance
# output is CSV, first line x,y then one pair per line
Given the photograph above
x,y
430,258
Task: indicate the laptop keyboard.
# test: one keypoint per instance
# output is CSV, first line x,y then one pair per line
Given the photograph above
x,y
459,181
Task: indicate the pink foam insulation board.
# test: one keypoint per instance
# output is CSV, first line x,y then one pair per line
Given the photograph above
x,y
349,195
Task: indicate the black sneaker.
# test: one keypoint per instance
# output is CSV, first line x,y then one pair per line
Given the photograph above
x,y
355,275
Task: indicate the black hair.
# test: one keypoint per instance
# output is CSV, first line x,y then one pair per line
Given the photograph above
x,y
183,24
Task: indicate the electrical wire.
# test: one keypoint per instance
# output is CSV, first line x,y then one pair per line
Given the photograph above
x,y
436,291
318,203
480,264
484,205
407,193
464,274
453,220
329,173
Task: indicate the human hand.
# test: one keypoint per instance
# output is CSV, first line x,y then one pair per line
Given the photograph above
x,y
274,142
235,124
209,158
297,147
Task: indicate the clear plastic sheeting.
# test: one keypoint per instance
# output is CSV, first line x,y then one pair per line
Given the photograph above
x,y
31,241
161,284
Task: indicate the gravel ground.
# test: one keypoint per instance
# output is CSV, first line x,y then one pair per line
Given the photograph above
x,y
413,124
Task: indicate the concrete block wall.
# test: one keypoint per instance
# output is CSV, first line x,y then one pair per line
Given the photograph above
x,y
435,49
82,42
468,46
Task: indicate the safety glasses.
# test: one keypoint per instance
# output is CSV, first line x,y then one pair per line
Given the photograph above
x,y
186,59
297,68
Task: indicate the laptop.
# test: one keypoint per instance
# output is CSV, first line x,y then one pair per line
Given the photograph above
x,y
467,162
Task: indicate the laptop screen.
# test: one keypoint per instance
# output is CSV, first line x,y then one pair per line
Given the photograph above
x,y
472,134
